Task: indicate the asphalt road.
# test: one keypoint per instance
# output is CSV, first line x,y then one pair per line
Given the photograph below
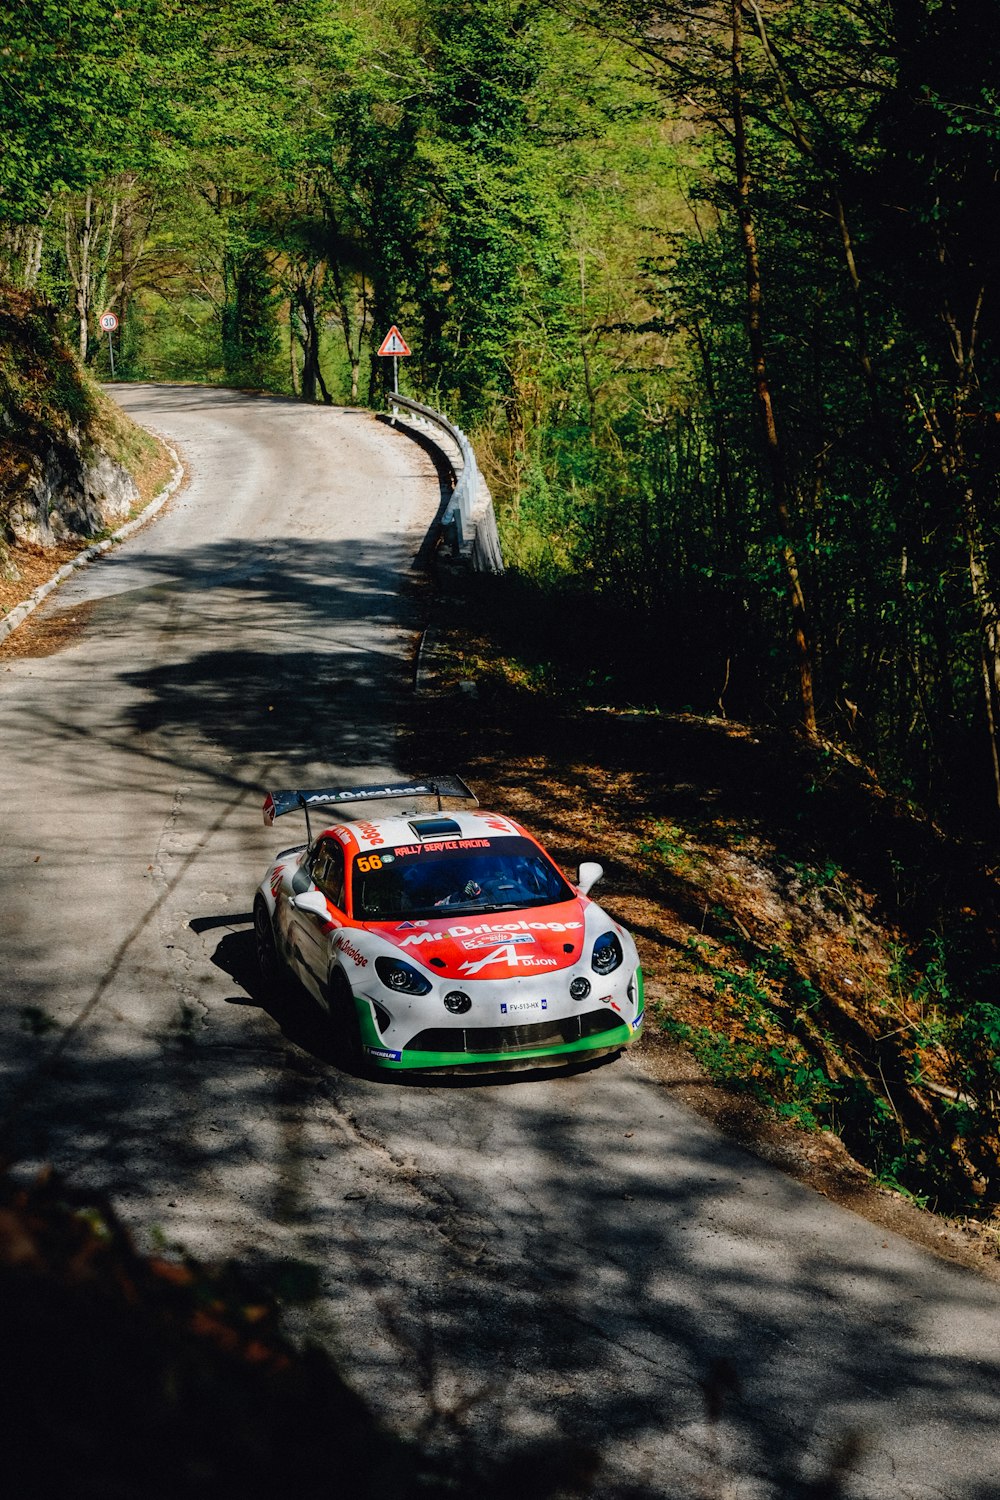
x,y
496,1263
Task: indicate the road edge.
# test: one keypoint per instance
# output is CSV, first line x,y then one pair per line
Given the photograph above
x,y
21,611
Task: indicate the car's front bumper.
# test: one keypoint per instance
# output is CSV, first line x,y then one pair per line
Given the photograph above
x,y
595,1030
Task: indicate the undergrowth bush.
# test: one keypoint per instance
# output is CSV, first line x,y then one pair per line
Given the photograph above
x,y
911,1081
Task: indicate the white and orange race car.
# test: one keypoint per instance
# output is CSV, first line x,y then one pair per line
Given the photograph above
x,y
443,939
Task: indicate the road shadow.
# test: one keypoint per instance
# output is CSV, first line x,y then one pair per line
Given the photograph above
x,y
296,1014
750,1354
321,672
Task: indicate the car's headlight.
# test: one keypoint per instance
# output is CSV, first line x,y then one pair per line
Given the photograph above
x,y
396,975
607,954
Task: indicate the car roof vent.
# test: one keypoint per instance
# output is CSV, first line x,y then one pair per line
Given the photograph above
x,y
435,828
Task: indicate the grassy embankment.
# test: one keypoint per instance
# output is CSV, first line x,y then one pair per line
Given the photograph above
x,y
51,409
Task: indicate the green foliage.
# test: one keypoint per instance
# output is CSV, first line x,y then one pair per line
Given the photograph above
x,y
884,383
796,1088
667,846
72,97
49,408
817,877
177,339
474,144
957,1024
770,1045
42,392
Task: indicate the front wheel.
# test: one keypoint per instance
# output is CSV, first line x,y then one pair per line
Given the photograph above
x,y
345,1030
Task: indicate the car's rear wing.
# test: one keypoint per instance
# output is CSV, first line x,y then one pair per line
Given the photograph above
x,y
276,804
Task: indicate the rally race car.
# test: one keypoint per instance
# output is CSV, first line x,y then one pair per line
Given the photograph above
x,y
443,939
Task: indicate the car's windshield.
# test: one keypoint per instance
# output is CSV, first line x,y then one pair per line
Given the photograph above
x,y
458,875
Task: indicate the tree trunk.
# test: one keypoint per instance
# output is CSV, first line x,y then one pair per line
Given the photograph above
x,y
79,269
305,301
33,254
947,439
307,316
353,329
293,333
138,210
989,638
762,390
90,241
862,342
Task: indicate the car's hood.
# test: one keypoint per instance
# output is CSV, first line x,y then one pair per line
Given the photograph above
x,y
494,945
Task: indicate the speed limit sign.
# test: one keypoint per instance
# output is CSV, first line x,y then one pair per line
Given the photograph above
x,y
108,322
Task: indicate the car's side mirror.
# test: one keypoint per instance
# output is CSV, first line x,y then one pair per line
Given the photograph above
x,y
589,874
312,903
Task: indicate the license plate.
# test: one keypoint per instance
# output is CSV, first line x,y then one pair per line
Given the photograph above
x,y
523,1007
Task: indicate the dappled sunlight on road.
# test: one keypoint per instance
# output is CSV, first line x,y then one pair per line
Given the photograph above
x,y
579,1252
506,1259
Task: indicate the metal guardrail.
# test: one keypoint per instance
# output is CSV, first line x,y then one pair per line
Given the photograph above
x,y
470,515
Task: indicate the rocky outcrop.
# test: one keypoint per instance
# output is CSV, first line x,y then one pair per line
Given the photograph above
x,y
66,492
57,477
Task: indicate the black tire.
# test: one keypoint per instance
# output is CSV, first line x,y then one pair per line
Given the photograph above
x,y
345,1030
272,970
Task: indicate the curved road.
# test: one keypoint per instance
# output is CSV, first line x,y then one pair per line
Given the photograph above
x,y
549,1258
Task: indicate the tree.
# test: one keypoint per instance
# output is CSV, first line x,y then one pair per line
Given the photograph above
x,y
72,96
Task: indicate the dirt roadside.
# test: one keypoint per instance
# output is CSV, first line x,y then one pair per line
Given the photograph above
x,y
614,787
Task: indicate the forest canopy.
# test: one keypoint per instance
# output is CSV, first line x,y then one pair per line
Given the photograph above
x,y
711,282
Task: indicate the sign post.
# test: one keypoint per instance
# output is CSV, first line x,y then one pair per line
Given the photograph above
x,y
109,323
396,345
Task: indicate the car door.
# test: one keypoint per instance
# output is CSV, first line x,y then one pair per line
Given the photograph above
x,y
311,930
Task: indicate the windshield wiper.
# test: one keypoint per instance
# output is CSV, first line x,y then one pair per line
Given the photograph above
x,y
472,908
464,908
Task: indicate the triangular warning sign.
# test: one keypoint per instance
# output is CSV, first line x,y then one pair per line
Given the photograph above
x,y
393,343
